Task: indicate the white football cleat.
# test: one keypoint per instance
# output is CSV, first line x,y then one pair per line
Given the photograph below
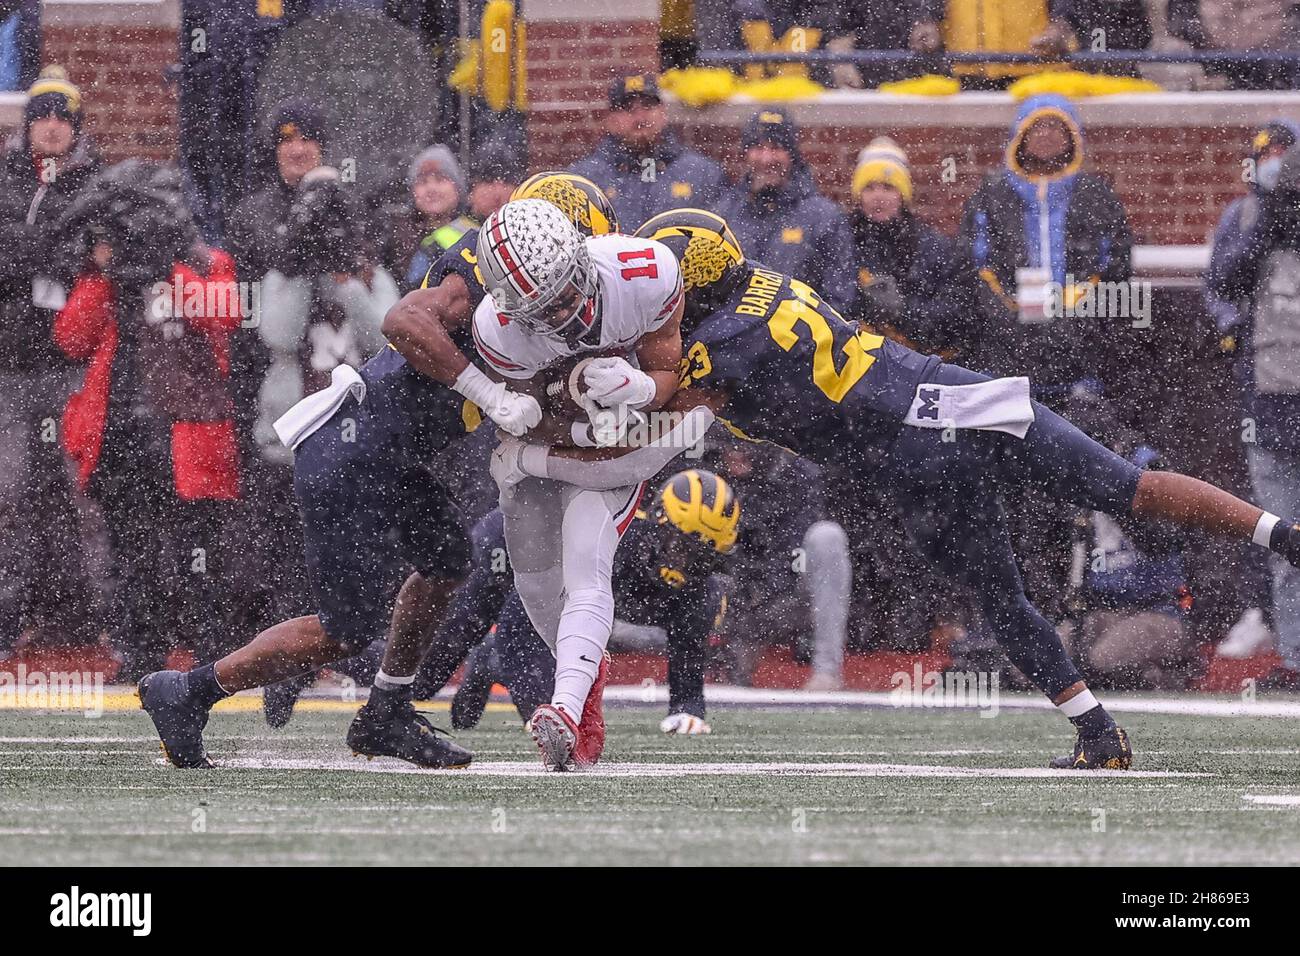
x,y
687,724
556,736
1248,637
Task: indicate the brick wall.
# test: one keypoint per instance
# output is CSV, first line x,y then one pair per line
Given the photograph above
x,y
574,51
1174,180
117,53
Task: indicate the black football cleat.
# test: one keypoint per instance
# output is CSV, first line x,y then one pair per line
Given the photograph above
x,y
178,718
1290,545
404,733
475,688
1110,751
278,700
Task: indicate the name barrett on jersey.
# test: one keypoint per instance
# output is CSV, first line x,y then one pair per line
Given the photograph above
x,y
639,286
801,375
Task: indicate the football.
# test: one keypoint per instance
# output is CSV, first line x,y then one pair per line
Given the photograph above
x,y
562,388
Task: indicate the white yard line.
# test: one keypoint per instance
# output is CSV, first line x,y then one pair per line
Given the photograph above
x,y
1273,800
531,768
120,698
1188,704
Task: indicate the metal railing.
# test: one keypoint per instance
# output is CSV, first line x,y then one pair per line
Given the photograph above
x,y
942,60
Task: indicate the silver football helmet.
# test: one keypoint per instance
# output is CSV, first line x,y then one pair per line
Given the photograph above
x,y
536,266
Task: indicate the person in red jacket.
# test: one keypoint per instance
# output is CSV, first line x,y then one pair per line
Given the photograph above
x,y
151,431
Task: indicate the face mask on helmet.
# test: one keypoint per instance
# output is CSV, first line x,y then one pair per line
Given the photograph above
x,y
682,557
569,314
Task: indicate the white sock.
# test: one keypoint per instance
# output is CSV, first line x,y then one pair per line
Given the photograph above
x,y
1263,535
1079,704
385,681
577,663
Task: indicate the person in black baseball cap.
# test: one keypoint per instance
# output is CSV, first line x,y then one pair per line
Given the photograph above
x,y
495,172
641,164
779,216
299,133
636,111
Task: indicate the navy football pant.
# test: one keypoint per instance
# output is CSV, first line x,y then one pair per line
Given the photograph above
x,y
370,516
951,493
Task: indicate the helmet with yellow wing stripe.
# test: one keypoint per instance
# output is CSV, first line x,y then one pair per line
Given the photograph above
x,y
700,505
577,197
710,256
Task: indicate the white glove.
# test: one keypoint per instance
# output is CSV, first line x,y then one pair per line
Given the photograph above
x,y
514,412
687,724
609,426
504,466
614,381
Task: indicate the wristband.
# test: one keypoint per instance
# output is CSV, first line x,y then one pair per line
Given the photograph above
x,y
533,461
477,387
581,436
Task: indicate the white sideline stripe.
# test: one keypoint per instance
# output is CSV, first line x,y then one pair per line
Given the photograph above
x,y
533,768
1190,704
1274,800
1187,704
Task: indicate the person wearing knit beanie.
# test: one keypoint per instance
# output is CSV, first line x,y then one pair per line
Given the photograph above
x,y
52,116
883,161
434,170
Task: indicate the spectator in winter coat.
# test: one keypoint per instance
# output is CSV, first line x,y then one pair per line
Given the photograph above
x,y
1043,235
1267,147
151,431
1240,25
643,167
1258,266
303,245
1042,221
432,221
760,26
914,283
47,163
871,26
781,219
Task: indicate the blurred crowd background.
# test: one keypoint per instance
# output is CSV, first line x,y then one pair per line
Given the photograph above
x,y
156,318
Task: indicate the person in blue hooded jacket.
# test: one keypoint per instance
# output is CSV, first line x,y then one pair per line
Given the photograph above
x,y
1050,241
782,220
1043,222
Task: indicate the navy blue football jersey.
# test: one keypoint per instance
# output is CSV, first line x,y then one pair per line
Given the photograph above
x,y
802,376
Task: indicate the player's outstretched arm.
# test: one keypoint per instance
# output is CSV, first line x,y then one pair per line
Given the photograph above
x,y
601,469
417,326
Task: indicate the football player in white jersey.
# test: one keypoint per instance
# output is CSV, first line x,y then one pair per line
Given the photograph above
x,y
552,296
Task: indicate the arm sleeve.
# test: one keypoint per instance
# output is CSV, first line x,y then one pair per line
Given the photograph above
x,y
637,465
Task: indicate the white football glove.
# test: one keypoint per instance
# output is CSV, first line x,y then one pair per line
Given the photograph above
x,y
609,426
614,381
504,466
513,412
687,724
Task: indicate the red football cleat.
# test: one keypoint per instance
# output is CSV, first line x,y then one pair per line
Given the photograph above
x,y
591,729
556,736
